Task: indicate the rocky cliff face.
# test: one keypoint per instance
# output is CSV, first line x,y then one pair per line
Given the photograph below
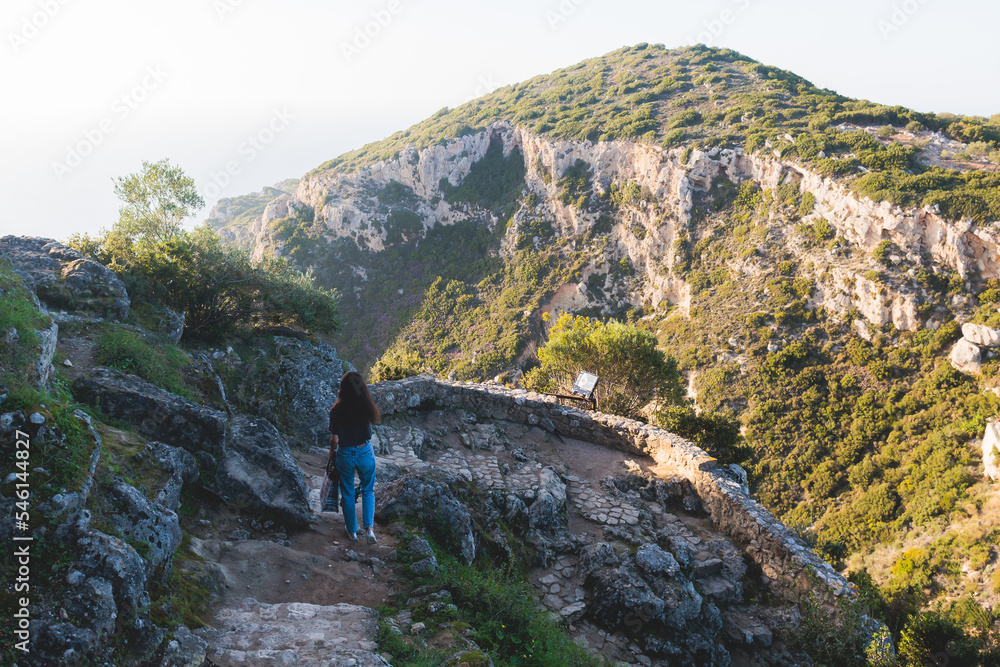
x,y
351,206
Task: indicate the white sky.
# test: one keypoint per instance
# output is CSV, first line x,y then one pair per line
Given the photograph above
x,y
201,76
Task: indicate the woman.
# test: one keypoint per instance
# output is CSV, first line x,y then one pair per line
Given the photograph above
x,y
351,419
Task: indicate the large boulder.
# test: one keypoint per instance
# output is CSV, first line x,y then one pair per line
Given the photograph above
x,y
428,498
294,385
153,412
63,279
981,334
616,597
259,472
966,357
547,513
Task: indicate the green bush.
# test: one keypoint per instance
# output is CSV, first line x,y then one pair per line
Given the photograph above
x,y
128,352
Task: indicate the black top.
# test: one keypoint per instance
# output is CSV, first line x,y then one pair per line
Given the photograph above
x,y
351,436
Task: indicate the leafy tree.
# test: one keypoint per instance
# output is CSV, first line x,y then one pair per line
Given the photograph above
x,y
218,287
632,370
155,202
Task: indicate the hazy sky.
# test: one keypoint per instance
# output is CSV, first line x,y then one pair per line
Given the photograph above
x,y
273,89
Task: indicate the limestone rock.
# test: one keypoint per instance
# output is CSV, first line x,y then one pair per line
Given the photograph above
x,y
107,557
184,650
966,357
180,466
91,605
427,497
259,472
170,325
294,386
656,562
153,412
981,335
144,522
616,595
293,633
548,512
991,450
63,279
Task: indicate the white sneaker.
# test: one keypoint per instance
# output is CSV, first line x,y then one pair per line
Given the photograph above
x,y
353,536
371,536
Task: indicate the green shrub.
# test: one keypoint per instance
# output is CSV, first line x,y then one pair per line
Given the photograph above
x,y
128,352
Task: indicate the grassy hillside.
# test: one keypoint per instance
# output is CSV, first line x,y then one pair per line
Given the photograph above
x,y
704,97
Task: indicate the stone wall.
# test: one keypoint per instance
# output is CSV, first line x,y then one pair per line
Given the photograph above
x,y
790,568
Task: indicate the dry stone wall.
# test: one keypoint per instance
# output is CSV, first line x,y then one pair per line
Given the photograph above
x,y
790,568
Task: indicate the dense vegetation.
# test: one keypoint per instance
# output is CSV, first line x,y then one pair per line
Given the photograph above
x,y
218,287
632,370
704,97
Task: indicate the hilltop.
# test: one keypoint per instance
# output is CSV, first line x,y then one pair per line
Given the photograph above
x,y
809,259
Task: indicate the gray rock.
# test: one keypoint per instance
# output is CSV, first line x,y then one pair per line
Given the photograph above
x,y
981,334
141,521
258,472
170,325
547,513
966,357
596,556
107,557
614,596
294,386
180,466
656,562
425,566
428,498
60,643
63,279
185,649
153,412
91,606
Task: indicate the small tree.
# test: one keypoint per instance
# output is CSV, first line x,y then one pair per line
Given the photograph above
x,y
155,202
632,370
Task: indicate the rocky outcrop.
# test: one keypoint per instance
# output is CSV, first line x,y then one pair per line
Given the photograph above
x,y
107,592
65,280
981,334
143,522
428,498
248,458
991,450
293,633
257,471
966,357
346,208
293,385
154,412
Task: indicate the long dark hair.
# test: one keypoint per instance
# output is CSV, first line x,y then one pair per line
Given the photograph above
x,y
355,405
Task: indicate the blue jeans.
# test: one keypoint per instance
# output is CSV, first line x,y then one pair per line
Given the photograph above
x,y
362,459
